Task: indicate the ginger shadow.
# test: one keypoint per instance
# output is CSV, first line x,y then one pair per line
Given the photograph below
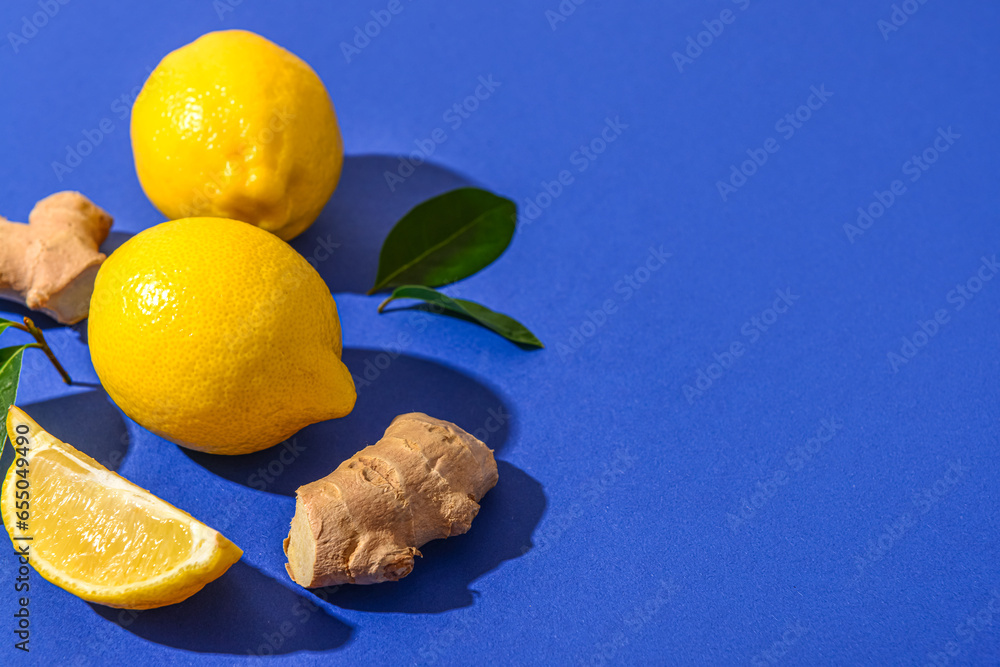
x,y
243,612
442,579
344,243
388,384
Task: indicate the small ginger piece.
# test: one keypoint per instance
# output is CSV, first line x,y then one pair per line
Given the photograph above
x,y
50,263
363,523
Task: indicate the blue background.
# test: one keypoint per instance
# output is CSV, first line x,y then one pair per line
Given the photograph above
x,y
635,521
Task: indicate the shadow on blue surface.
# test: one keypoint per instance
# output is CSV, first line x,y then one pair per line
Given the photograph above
x,y
432,309
16,312
344,243
88,420
387,386
440,580
243,612
393,386
114,240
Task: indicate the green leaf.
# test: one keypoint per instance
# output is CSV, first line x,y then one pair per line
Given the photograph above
x,y
10,373
506,326
5,323
446,238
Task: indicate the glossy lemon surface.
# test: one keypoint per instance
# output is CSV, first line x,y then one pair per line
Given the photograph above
x,y
217,336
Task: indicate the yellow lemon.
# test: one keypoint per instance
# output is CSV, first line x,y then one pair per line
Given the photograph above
x,y
98,535
217,336
234,126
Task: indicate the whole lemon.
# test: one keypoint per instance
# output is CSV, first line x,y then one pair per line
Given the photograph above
x,y
234,126
217,336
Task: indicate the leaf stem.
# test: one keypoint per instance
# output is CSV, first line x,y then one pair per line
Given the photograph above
x,y
40,343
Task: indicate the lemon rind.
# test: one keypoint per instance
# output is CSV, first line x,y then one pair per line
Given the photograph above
x,y
210,556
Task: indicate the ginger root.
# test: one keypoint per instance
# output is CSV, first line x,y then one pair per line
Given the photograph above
x,y
363,523
50,263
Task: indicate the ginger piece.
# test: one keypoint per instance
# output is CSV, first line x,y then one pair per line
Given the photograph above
x,y
50,263
364,522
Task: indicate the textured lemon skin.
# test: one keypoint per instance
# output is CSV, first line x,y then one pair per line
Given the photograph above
x,y
169,587
234,126
217,336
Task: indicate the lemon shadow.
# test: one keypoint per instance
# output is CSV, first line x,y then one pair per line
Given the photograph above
x,y
443,578
243,612
388,384
344,242
88,420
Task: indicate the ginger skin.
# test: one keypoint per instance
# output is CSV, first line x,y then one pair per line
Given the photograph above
x,y
364,522
50,263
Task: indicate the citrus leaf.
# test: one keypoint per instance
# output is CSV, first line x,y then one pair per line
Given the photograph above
x,y
445,239
10,373
5,323
506,326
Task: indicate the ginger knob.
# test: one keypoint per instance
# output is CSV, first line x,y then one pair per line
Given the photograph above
x,y
50,263
364,522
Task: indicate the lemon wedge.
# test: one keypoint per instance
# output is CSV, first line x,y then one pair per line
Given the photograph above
x,y
98,535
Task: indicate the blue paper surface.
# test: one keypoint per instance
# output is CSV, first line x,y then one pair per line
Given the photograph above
x,y
764,429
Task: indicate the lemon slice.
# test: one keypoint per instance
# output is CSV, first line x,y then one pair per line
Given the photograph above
x,y
98,535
